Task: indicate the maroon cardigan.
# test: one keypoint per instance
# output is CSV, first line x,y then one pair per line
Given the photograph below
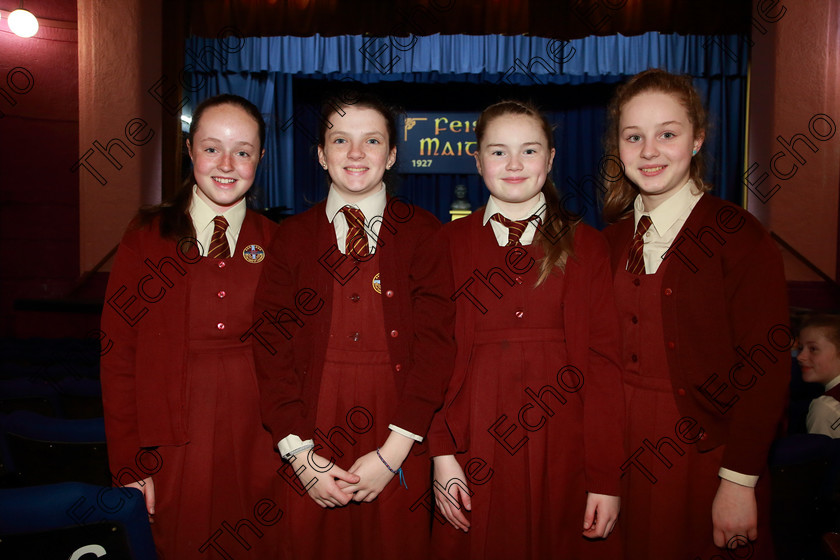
x,y
146,317
592,345
723,295
293,312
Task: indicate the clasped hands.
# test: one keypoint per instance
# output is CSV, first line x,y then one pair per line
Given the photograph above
x,y
362,482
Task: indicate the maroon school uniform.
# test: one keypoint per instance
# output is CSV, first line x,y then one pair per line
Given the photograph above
x,y
369,345
685,492
357,396
527,394
681,326
182,364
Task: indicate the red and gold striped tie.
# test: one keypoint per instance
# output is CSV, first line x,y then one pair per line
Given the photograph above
x,y
219,248
356,244
515,227
635,258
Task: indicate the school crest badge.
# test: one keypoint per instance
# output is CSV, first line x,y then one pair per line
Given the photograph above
x,y
253,254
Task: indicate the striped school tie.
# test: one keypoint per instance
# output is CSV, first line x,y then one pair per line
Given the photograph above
x,y
356,244
635,258
515,227
219,248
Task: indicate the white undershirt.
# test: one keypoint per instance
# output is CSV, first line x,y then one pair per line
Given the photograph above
x,y
501,231
667,220
372,206
202,218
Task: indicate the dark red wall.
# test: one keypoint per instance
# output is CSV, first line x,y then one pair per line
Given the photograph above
x,y
39,136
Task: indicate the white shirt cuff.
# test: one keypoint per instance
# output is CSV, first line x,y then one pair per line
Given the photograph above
x,y
405,433
747,480
292,445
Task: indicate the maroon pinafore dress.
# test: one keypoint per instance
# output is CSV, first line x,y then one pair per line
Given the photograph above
x,y
357,397
533,504
208,490
666,511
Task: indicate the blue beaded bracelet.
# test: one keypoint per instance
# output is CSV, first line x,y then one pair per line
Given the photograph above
x,y
399,471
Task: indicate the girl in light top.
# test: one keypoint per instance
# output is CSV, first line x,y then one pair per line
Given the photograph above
x,y
178,386
702,301
819,358
355,348
528,444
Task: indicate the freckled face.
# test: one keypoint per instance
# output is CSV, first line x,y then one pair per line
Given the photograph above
x,y
225,153
655,143
818,356
356,153
514,160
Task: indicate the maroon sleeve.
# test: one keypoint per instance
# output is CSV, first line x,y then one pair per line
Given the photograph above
x,y
603,409
756,295
440,440
118,365
433,345
274,333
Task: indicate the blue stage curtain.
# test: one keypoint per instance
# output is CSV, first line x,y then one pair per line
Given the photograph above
x,y
265,69
556,61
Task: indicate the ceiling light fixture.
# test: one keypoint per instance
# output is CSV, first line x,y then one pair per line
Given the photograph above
x,y
23,23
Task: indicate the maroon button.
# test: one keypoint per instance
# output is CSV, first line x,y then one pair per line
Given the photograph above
x,y
519,313
518,279
634,357
355,336
355,298
681,392
222,264
394,334
398,367
220,326
634,319
636,281
221,294
668,291
671,344
389,293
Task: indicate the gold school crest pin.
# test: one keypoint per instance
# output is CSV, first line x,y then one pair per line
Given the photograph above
x,y
253,254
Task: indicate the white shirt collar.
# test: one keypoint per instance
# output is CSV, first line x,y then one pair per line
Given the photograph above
x,y
501,232
372,205
833,383
202,215
493,207
664,215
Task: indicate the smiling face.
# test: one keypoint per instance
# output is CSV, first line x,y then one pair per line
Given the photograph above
x,y
225,152
818,356
514,160
655,143
355,152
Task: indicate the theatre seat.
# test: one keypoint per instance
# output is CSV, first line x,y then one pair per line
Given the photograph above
x,y
34,395
47,450
74,521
